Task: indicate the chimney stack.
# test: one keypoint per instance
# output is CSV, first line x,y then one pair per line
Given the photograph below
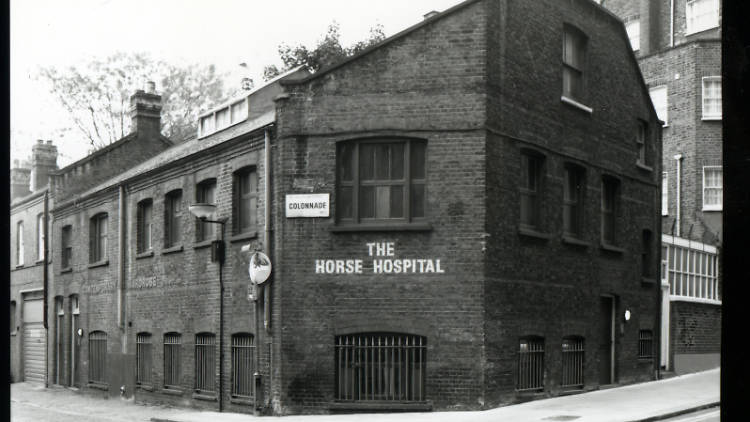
x,y
19,180
145,111
43,163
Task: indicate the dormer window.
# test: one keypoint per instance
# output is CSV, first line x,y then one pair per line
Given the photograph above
x,y
222,117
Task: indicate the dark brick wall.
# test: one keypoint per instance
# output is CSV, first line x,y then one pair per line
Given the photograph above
x,y
545,286
693,328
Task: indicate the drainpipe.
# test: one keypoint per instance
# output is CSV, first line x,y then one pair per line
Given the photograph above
x,y
678,158
267,228
671,23
121,250
45,279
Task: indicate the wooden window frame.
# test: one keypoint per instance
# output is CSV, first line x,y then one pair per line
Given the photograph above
x,y
173,211
144,229
535,193
241,223
205,231
574,219
98,237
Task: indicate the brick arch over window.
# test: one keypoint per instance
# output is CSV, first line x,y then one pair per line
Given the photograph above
x,y
381,180
380,366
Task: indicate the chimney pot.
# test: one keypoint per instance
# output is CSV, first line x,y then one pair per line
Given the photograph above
x,y
430,14
39,141
150,87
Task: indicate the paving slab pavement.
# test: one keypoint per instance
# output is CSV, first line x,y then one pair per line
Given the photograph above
x,y
641,402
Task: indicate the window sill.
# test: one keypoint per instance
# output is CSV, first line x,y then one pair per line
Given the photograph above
x,y
711,209
66,270
645,360
171,391
202,244
242,236
19,266
711,118
376,405
414,227
571,240
576,104
648,280
99,264
145,387
245,401
698,31
147,254
531,394
525,231
644,167
39,261
611,248
204,396
14,333
99,386
172,249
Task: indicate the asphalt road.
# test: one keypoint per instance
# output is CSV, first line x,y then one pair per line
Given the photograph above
x,y
707,415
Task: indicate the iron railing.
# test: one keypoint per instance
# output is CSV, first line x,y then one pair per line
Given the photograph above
x,y
645,344
172,360
143,359
380,367
531,364
243,353
97,356
205,363
572,362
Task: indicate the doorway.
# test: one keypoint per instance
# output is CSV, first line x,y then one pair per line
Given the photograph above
x,y
606,340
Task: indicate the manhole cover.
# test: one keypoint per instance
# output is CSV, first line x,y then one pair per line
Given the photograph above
x,y
561,418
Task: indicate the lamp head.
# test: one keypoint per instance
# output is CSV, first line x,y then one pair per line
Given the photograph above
x,y
202,210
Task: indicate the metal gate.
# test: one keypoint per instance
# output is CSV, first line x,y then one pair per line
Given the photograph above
x,y
34,342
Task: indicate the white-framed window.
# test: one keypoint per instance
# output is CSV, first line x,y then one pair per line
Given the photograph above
x,y
659,98
40,237
664,194
223,117
701,15
19,244
573,60
712,191
712,98
633,28
692,270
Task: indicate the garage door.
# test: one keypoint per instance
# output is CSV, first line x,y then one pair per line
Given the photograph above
x,y
34,341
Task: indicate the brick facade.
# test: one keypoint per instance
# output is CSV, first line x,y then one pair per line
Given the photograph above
x,y
679,61
477,86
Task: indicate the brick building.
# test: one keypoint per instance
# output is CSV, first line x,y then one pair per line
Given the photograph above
x,y
461,216
678,44
29,222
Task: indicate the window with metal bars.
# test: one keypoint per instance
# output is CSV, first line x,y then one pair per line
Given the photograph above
x,y
143,358
172,345
380,367
243,353
97,357
205,363
645,344
572,362
530,364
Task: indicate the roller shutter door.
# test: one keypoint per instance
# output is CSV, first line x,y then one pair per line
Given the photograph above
x,y
34,342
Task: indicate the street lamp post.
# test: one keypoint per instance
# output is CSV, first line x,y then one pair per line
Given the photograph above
x,y
204,212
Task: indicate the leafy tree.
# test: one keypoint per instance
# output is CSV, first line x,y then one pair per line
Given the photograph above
x,y
327,52
96,94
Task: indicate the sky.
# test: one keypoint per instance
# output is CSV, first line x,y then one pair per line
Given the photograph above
x,y
220,32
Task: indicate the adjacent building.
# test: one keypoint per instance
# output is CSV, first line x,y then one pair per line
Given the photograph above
x,y
678,44
29,223
462,216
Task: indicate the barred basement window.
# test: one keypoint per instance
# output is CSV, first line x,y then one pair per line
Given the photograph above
x,y
243,353
172,360
381,181
645,344
380,367
572,362
531,364
143,359
205,363
97,357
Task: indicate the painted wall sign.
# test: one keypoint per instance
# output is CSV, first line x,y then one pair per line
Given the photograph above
x,y
382,261
308,205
